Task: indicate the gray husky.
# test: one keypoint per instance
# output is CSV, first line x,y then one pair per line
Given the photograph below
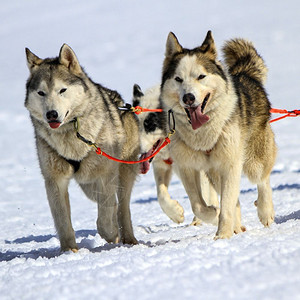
x,y
59,96
222,126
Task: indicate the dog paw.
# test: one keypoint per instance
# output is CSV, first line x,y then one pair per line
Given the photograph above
x,y
223,235
266,220
173,210
67,249
68,245
239,229
196,222
130,240
266,214
224,231
210,214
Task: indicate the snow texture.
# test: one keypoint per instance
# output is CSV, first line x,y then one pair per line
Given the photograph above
x,y
121,43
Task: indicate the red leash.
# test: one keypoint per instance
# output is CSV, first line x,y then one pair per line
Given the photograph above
x,y
292,113
138,109
100,152
165,143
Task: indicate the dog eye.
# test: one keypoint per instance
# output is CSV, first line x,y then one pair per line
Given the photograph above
x,y
201,77
62,90
178,79
41,93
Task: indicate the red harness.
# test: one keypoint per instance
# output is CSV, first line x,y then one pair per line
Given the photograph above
x,y
292,113
100,152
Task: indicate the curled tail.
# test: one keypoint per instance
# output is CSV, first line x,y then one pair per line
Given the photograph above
x,y
242,58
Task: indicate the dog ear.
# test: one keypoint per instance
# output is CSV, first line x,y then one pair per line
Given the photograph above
x,y
137,94
68,58
208,46
137,91
172,45
32,59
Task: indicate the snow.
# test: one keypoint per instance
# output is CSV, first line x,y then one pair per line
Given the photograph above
x,y
121,43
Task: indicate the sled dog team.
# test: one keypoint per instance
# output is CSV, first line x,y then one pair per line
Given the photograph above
x,y
222,117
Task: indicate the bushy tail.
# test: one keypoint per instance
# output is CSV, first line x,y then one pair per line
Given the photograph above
x,y
241,57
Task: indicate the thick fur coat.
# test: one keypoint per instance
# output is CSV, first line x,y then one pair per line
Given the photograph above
x,y
58,93
222,126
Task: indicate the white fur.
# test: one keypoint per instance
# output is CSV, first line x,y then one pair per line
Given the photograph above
x,y
163,171
220,146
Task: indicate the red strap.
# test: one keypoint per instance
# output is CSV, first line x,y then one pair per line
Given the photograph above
x,y
293,113
278,111
138,110
165,143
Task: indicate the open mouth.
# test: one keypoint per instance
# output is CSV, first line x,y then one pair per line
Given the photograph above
x,y
195,115
54,124
203,105
145,166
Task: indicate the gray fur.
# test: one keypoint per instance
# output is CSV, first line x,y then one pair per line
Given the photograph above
x,y
60,85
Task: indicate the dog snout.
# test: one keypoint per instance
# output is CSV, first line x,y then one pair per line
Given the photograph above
x,y
52,115
189,99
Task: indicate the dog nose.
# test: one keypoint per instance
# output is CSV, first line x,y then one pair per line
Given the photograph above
x,y
188,99
52,115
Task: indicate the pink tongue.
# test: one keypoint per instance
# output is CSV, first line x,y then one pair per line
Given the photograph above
x,y
145,166
197,117
54,125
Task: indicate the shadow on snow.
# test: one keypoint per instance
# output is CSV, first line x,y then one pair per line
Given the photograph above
x,y
292,216
42,252
53,252
281,187
88,244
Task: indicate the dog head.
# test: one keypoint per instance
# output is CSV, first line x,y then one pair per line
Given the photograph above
x,y
151,124
192,79
55,88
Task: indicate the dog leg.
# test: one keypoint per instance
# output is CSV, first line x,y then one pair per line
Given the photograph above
x,y
127,175
238,227
58,197
265,209
162,174
261,160
191,182
107,220
208,191
230,188
103,192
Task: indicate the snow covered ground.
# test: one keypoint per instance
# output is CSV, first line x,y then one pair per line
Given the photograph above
x,y
121,43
